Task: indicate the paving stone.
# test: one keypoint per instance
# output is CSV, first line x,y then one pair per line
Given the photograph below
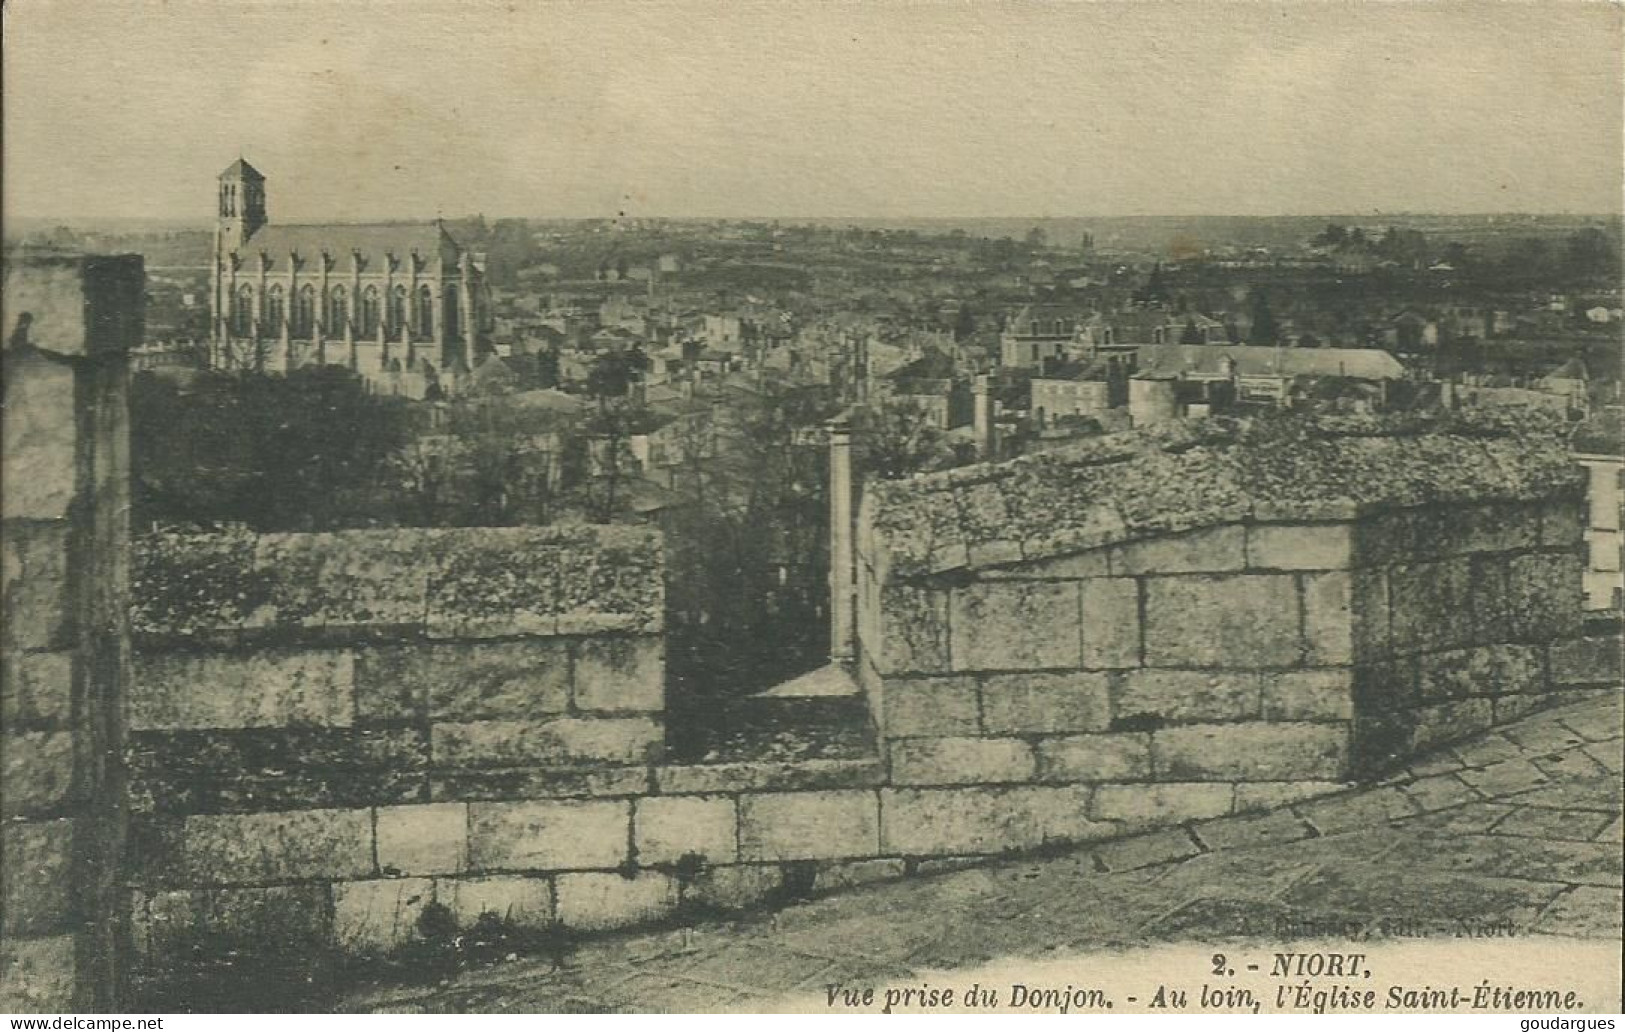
x,y
1599,794
1243,832
1360,810
1144,850
1613,832
1500,779
1585,911
1569,765
1505,856
1439,792
1486,749
1379,890
1539,822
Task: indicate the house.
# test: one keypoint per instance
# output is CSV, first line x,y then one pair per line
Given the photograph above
x,y
1598,447
932,383
1036,333
1410,330
1065,391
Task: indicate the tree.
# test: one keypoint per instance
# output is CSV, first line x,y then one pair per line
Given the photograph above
x,y
1265,329
897,440
965,324
306,451
1037,239
1591,253
1191,335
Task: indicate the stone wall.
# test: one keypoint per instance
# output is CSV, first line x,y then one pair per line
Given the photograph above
x,y
1205,619
69,323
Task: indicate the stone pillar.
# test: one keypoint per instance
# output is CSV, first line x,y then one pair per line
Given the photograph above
x,y
318,315
437,306
70,322
465,300
983,418
840,540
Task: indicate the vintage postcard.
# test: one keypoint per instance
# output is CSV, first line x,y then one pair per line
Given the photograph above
x,y
904,507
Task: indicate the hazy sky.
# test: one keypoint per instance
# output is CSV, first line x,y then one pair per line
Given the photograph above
x,y
704,107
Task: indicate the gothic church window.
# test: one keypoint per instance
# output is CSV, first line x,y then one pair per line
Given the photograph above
x,y
275,308
369,312
304,312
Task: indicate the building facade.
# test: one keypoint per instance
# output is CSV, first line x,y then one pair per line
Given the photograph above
x,y
403,304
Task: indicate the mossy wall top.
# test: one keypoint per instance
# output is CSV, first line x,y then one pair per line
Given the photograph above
x,y
1183,476
469,583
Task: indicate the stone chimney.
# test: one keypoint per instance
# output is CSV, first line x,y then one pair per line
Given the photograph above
x,y
841,590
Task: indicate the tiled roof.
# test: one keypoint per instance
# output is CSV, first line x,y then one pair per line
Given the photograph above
x,y
338,239
241,169
1167,360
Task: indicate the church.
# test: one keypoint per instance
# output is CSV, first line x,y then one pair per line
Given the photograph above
x,y
403,304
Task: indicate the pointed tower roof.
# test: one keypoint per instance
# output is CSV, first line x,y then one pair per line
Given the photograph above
x,y
241,169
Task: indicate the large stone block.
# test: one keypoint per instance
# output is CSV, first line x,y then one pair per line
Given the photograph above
x,y
961,761
500,679
1092,563
1369,615
538,783
600,900
272,688
621,674
296,919
1167,803
1242,620
736,887
1184,696
809,825
668,828
767,775
1314,694
1448,721
34,586
912,632
1211,550
519,900
969,820
563,741
78,305
930,706
1307,546
1587,661
1014,625
37,975
1562,523
1546,595
1251,752
37,770
39,438
426,839
1106,757
36,889
36,688
549,835
1328,619
1045,703
379,915
1431,605
1482,670
1111,623
250,848
353,580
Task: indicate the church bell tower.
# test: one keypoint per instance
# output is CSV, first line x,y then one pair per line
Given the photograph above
x,y
242,204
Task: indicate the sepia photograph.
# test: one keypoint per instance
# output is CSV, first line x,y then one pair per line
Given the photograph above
x,y
911,507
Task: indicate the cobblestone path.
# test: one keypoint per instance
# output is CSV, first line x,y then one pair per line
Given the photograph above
x,y
1519,828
